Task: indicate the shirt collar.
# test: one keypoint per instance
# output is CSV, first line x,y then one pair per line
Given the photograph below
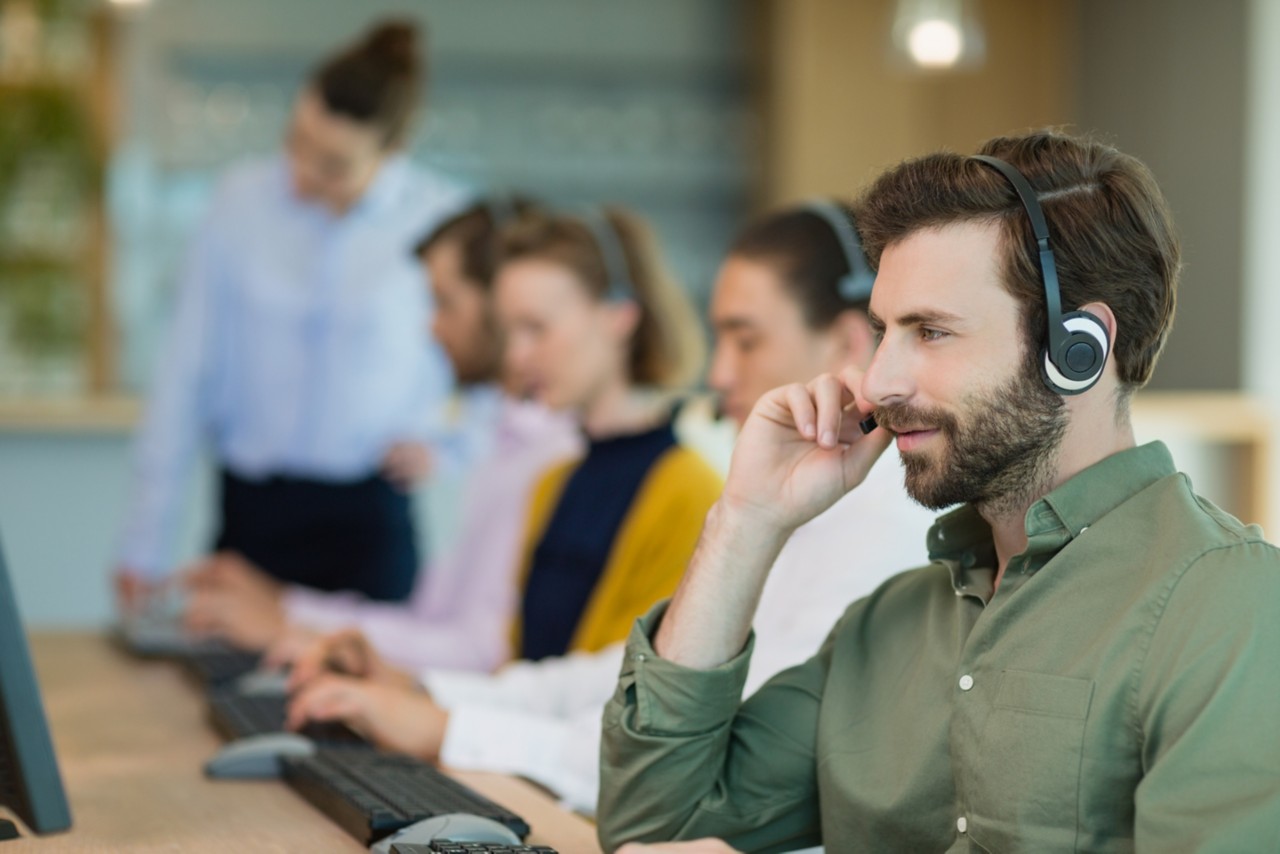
x,y
962,541
383,191
1099,489
962,538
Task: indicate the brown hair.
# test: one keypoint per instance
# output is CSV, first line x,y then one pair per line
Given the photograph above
x,y
1110,228
376,81
667,348
477,231
804,250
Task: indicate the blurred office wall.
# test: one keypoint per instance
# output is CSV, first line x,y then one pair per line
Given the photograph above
x,y
839,105
642,102
1165,80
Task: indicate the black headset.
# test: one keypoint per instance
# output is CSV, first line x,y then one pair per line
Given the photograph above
x,y
608,240
1078,342
855,285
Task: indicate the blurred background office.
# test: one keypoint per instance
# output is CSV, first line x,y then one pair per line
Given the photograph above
x,y
116,117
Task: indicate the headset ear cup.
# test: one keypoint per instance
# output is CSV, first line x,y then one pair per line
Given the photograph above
x,y
1078,364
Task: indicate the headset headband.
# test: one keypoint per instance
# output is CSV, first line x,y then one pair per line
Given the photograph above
x,y
619,287
1079,342
855,285
1040,228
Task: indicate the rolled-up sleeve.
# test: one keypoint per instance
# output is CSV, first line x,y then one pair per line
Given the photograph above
x,y
683,757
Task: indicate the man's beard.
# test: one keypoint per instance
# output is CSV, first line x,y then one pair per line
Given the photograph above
x,y
1000,458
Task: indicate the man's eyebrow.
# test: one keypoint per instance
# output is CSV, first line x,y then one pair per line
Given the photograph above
x,y
928,316
917,318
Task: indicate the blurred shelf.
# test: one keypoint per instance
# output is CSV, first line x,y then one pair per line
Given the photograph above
x,y
43,83
1212,416
106,414
1240,427
22,260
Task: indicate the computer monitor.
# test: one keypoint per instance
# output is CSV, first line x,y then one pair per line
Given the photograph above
x,y
29,781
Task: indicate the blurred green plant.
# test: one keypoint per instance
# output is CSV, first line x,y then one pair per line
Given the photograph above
x,y
44,124
45,308
45,118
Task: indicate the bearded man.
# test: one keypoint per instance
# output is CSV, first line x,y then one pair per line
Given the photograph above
x,y
1087,663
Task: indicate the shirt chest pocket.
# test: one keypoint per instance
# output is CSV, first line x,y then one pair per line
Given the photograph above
x,y
1026,779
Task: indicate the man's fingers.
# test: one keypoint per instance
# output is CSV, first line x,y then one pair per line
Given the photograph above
x,y
803,414
856,403
828,396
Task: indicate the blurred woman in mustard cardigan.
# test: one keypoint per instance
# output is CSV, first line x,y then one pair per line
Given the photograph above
x,y
595,326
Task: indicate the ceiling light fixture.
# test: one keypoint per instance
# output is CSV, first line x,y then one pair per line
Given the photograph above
x,y
939,35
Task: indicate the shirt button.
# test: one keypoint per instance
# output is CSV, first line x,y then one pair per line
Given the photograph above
x,y
962,824
966,682
640,656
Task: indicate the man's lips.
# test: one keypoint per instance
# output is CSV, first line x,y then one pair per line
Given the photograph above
x,y
913,438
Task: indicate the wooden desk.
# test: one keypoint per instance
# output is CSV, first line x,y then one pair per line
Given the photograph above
x,y
132,738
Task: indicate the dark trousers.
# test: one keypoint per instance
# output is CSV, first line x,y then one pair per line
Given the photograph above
x,y
355,535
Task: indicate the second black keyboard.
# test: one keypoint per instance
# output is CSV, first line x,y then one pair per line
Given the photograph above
x,y
235,715
374,794
219,666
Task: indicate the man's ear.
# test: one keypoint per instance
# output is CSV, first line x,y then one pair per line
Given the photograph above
x,y
1103,312
1107,318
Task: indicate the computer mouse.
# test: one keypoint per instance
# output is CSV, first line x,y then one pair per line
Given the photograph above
x,y
458,827
257,757
264,683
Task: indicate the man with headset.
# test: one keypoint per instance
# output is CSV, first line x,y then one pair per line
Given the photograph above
x,y
1088,661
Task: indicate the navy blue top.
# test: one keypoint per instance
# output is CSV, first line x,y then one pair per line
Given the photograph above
x,y
571,556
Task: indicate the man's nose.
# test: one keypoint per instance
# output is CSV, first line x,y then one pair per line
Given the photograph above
x,y
889,378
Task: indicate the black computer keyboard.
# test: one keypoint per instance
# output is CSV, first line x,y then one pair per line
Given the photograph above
x,y
218,666
235,715
374,794
446,846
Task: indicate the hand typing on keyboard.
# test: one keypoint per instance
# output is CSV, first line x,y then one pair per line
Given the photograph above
x,y
347,652
230,598
395,717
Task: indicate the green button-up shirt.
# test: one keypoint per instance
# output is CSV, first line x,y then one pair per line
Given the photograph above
x,y
1120,691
